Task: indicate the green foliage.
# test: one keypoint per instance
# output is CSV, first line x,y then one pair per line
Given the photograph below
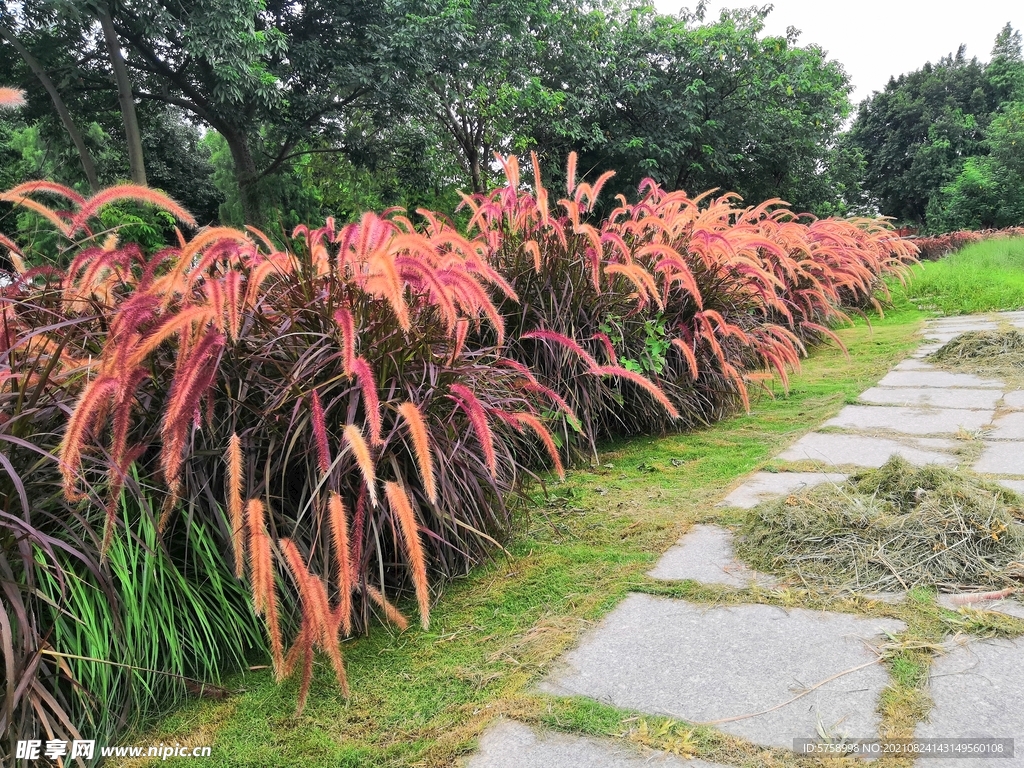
x,y
989,192
177,622
411,116
478,88
930,139
698,105
656,344
271,76
1006,70
293,201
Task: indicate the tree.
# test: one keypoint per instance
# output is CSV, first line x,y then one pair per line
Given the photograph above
x,y
479,83
39,71
926,134
699,105
125,93
1006,69
268,75
989,191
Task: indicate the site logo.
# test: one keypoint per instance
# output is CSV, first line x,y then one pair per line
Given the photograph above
x,y
33,749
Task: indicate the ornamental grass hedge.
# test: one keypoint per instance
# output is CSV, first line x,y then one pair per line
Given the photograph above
x,y
260,448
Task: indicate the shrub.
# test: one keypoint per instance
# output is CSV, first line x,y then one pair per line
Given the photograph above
x,y
698,299
334,465
89,641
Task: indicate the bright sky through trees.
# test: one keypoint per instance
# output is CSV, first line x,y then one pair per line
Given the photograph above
x,y
877,38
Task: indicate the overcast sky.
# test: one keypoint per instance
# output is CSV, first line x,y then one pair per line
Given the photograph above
x,y
877,38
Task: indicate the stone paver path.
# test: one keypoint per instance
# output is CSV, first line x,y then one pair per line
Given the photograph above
x,y
833,450
908,420
706,555
762,486
735,666
770,675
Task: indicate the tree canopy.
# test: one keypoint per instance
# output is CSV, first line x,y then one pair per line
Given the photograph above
x,y
276,111
925,137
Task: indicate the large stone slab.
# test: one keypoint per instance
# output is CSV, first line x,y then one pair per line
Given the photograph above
x,y
960,325
1014,400
1003,458
762,486
706,554
937,379
984,399
1008,427
719,665
1014,318
943,337
910,420
978,692
508,744
915,365
864,451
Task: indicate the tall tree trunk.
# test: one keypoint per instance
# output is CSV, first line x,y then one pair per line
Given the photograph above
x,y
125,95
245,175
88,166
475,170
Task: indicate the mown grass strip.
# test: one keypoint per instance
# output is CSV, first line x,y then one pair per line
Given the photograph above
x,y
983,277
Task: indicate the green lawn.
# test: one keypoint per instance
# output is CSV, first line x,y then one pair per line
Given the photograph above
x,y
423,698
983,277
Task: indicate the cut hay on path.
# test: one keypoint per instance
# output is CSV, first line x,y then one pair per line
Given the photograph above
x,y
996,353
891,529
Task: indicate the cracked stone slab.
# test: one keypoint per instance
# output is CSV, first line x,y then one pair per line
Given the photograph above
x,y
937,379
706,554
865,451
762,486
508,744
910,420
1014,399
1008,427
703,665
1003,458
1009,607
978,692
971,399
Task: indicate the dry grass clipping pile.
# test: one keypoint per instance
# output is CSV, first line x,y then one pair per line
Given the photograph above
x,y
995,353
892,528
